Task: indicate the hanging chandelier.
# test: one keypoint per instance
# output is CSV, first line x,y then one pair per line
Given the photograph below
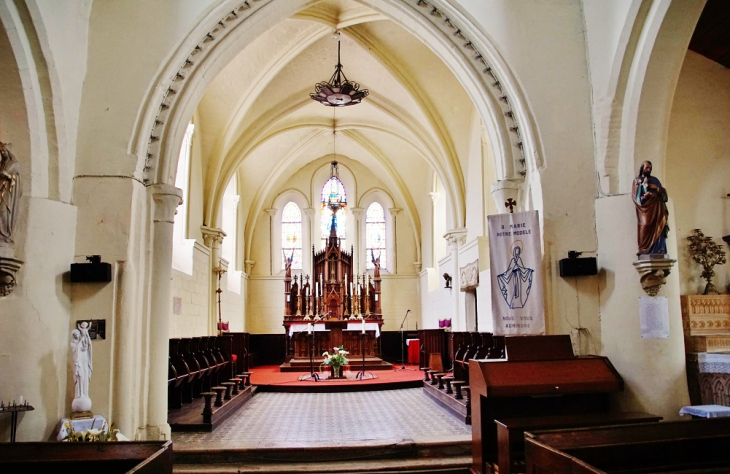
x,y
338,92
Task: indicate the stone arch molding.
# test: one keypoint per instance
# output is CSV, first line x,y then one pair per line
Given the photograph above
x,y
181,82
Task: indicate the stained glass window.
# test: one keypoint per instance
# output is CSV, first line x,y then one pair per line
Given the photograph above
x,y
333,191
291,236
375,236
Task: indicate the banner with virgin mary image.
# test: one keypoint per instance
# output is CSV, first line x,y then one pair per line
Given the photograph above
x,y
516,273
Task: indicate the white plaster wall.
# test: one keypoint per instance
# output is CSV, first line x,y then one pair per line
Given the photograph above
x,y
653,370
399,294
544,44
62,28
437,302
698,164
35,328
194,293
265,307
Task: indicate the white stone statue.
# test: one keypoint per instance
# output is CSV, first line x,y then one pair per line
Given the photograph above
x,y
81,347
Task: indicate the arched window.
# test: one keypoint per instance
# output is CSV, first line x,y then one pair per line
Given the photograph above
x,y
375,236
291,236
333,192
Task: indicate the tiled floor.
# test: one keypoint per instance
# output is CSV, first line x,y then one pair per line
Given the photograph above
x,y
316,419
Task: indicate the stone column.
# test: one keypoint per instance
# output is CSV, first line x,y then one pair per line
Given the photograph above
x,y
213,238
357,213
394,213
166,199
456,238
272,213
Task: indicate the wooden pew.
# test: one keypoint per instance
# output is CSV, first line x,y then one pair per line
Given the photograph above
x,y
511,431
138,457
689,446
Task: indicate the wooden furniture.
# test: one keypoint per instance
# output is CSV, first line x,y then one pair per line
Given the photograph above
x,y
137,457
511,431
687,446
540,376
706,325
333,298
434,341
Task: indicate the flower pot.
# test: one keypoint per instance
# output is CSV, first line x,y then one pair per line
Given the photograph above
x,y
336,372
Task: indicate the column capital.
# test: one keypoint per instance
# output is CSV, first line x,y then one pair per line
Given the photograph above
x,y
357,211
394,211
417,266
249,265
456,236
212,236
271,211
167,198
308,211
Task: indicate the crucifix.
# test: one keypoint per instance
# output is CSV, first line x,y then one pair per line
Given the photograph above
x,y
511,203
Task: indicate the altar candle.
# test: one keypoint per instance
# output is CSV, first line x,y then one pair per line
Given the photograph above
x,y
21,399
316,288
309,328
363,325
350,288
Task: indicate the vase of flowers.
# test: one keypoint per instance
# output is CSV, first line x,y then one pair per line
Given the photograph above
x,y
335,361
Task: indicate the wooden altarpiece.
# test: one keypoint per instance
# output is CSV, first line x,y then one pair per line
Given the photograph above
x,y
337,303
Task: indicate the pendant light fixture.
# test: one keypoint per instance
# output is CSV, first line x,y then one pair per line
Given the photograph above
x,y
338,92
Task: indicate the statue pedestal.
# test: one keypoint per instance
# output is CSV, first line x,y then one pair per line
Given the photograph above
x,y
97,422
653,271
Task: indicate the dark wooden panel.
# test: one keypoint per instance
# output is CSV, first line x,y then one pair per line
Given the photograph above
x,y
390,344
268,349
656,447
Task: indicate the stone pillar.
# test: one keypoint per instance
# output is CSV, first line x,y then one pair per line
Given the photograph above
x,y
357,213
166,199
213,238
272,213
394,213
456,238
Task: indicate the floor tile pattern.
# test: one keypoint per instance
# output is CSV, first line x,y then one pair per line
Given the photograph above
x,y
321,419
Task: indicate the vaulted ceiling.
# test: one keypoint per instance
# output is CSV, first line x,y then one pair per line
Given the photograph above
x,y
256,117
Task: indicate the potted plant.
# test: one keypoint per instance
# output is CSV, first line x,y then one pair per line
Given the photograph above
x,y
708,254
335,361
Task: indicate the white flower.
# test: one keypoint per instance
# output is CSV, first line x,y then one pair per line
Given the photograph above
x,y
326,354
94,432
336,348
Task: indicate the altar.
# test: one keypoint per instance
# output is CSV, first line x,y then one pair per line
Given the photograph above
x,y
333,307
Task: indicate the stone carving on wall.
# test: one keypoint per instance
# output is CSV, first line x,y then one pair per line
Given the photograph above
x,y
469,275
10,191
83,366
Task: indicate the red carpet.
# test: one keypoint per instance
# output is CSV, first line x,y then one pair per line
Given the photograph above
x,y
268,378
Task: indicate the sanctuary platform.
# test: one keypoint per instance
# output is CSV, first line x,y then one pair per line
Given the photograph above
x,y
271,379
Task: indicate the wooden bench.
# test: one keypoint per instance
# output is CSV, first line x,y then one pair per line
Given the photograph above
x,y
689,446
510,431
138,457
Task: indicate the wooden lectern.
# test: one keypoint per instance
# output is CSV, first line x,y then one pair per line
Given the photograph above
x,y
540,376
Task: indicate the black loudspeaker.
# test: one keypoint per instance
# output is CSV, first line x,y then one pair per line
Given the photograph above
x,y
578,267
94,271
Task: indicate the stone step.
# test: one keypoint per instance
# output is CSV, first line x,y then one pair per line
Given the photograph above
x,y
452,456
452,465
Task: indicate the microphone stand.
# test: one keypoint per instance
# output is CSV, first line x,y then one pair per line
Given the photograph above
x,y
403,344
